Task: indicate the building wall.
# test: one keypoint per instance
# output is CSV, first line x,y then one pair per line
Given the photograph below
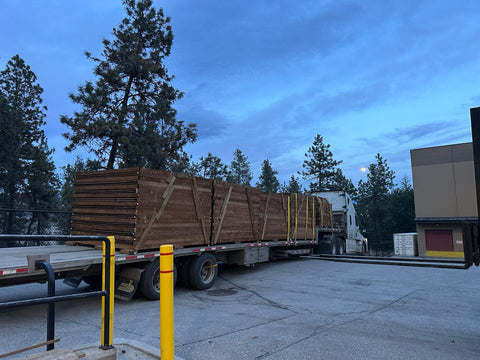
x,y
444,190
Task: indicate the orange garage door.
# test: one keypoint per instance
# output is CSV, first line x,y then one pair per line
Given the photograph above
x,y
439,240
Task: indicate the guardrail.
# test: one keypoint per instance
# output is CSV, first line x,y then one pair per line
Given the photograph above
x,y
107,293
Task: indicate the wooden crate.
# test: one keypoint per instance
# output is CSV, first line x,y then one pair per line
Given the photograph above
x,y
273,217
105,203
323,213
143,208
172,209
236,210
301,217
146,208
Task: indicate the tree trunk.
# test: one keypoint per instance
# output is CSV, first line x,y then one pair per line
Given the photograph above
x,y
113,154
121,120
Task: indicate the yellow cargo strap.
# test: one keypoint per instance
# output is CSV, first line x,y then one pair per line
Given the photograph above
x,y
296,218
321,212
306,219
288,218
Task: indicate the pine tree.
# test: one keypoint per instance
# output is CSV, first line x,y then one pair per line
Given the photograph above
x,y
21,136
402,208
42,188
213,168
239,169
66,192
319,165
373,203
292,187
341,183
127,117
268,181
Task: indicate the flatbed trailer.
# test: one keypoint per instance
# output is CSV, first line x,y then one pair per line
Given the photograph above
x,y
208,222
197,266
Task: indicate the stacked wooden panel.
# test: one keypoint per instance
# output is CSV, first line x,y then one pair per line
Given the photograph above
x,y
142,208
323,213
172,209
301,219
273,216
104,203
236,210
145,208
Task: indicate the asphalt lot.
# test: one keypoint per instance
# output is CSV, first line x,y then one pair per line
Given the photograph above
x,y
294,309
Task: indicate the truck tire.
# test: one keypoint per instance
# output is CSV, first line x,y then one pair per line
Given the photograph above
x,y
150,281
364,249
333,246
340,246
95,281
203,271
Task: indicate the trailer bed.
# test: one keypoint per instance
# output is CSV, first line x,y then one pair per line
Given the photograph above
x,y
78,260
13,262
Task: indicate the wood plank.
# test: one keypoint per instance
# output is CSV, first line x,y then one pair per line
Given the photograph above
x,y
198,211
222,214
166,196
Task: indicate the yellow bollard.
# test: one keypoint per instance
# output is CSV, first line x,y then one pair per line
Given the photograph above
x,y
107,341
166,303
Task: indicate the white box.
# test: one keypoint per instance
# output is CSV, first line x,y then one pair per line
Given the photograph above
x,y
405,244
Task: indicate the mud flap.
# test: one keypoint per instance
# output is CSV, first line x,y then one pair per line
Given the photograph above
x,y
127,283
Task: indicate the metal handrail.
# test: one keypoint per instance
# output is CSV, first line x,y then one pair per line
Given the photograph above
x,y
107,292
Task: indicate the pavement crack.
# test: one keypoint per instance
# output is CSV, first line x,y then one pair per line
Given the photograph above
x,y
325,328
392,302
237,331
271,302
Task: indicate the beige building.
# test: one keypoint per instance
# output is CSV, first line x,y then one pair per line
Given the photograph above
x,y
444,189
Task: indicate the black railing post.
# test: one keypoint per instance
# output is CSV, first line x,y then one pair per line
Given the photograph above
x,y
51,306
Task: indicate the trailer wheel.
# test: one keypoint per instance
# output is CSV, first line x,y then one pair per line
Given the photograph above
x,y
203,271
95,281
333,246
364,249
150,281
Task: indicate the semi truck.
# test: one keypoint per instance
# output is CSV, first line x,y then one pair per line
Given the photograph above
x,y
348,239
208,222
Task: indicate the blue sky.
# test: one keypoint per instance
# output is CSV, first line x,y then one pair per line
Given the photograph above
x,y
267,76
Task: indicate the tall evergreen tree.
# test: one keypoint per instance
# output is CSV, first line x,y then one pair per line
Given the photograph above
x,y
213,168
127,116
402,208
21,135
10,164
320,167
42,188
268,181
373,203
240,172
292,187
341,183
66,192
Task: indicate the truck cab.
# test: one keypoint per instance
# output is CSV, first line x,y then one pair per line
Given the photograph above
x,y
345,218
